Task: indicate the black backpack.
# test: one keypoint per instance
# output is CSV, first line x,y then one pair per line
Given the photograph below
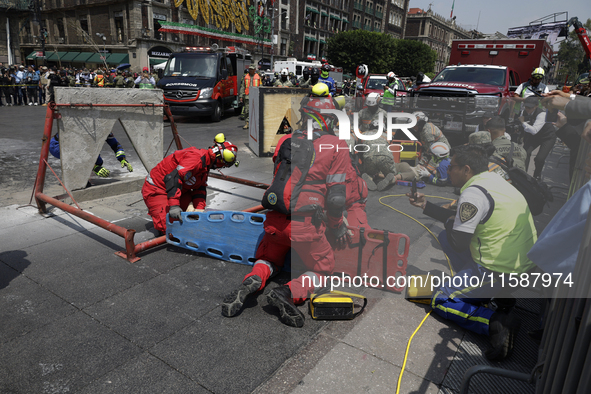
x,y
536,193
295,157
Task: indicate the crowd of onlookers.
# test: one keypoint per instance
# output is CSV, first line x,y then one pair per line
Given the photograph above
x,y
33,85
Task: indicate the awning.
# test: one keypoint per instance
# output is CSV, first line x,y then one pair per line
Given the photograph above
x,y
312,10
96,57
55,56
323,13
310,39
32,55
322,41
335,17
68,57
118,58
345,20
82,57
157,60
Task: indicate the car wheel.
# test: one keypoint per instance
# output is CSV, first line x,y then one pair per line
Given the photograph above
x,y
217,112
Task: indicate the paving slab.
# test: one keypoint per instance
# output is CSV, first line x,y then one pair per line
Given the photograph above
x,y
144,374
235,355
154,310
79,269
26,306
64,356
346,369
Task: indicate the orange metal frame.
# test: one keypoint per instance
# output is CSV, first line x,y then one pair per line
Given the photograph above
x,y
131,249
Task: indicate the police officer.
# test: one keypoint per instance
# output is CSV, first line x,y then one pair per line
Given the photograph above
x,y
527,89
538,132
283,81
489,210
389,98
305,80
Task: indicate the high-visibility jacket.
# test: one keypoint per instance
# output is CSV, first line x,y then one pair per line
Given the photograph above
x,y
256,82
100,80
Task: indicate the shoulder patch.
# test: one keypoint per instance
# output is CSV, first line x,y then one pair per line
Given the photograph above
x,y
467,211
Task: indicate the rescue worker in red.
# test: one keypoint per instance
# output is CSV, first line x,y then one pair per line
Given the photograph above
x,y
181,178
319,205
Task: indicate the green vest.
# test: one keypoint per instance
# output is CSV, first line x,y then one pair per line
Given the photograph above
x,y
501,244
145,84
389,98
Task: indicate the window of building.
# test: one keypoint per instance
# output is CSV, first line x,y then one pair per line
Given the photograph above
x,y
84,24
119,36
283,47
61,33
285,2
157,26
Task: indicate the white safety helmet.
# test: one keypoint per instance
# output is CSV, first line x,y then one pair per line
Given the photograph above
x,y
391,75
439,149
284,72
421,116
372,99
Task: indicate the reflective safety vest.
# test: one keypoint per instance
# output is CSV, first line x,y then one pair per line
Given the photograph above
x,y
501,242
255,83
145,84
100,80
389,98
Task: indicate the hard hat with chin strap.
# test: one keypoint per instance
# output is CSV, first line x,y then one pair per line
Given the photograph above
x,y
391,75
224,151
538,72
439,149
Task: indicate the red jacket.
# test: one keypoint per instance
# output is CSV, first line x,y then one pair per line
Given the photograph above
x,y
185,171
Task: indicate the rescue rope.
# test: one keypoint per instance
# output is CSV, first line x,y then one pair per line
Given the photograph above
x,y
406,353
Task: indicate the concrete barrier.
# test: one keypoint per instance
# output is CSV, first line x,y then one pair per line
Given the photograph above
x,y
83,130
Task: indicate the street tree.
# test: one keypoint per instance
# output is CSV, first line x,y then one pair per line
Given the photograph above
x,y
572,56
380,52
412,57
348,49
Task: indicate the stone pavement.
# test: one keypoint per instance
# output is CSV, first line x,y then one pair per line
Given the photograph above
x,y
75,318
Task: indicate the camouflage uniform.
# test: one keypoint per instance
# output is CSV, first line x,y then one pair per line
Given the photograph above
x,y
380,159
481,138
279,83
368,120
119,81
431,134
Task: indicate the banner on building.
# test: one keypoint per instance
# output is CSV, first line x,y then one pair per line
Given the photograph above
x,y
547,31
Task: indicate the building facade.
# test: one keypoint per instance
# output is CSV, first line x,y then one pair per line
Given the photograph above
x,y
91,33
11,11
436,31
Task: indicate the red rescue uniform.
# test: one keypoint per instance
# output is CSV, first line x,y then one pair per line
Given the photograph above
x,y
179,179
297,231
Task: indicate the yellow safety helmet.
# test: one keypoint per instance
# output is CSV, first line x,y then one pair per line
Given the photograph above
x,y
320,90
224,151
538,72
340,102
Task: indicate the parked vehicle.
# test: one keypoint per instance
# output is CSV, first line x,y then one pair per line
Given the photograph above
x,y
374,83
204,81
482,76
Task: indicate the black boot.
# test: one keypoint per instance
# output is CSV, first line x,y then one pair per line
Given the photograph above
x,y
289,314
233,302
503,330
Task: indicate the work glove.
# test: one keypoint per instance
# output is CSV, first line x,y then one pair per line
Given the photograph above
x,y
125,163
423,172
342,235
175,213
101,171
